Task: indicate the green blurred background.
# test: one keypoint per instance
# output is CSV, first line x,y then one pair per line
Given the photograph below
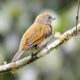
x,y
16,16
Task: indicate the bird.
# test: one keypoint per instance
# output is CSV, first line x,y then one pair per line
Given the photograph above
x,y
35,34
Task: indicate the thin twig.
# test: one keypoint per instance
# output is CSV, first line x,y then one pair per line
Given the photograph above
x,y
77,17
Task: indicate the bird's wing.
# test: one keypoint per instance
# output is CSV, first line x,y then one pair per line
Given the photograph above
x,y
32,36
35,37
38,34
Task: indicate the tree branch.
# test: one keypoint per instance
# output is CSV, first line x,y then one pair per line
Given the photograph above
x,y
65,37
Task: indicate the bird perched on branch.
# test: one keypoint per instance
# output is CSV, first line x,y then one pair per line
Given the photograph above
x,y
35,34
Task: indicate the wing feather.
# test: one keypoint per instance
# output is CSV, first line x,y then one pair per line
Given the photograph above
x,y
33,34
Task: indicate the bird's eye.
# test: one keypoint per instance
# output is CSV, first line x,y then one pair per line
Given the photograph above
x,y
49,17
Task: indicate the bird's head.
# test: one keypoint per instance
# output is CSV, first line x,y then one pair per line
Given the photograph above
x,y
44,18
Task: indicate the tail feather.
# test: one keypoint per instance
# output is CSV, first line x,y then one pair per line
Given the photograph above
x,y
17,56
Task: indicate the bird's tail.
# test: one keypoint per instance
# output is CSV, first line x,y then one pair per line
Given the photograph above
x,y
17,55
